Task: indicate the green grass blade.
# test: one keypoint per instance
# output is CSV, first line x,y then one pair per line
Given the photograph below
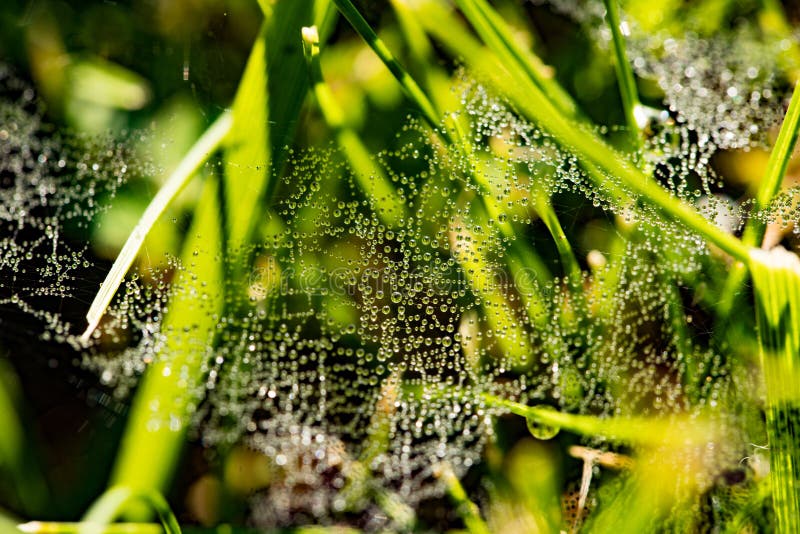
x,y
781,153
377,187
548,215
776,282
632,430
112,503
170,389
576,137
465,508
49,527
265,111
188,167
411,87
769,187
168,393
625,79
497,35
247,151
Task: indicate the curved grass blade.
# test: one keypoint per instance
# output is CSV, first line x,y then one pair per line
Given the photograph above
x,y
575,136
50,527
113,502
414,91
171,388
208,143
168,392
498,36
769,187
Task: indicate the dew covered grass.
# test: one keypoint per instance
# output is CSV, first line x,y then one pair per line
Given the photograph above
x,y
413,266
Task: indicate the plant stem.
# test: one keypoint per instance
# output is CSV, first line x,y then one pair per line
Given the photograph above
x,y
776,281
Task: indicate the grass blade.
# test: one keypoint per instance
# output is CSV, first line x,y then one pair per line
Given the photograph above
x,y
48,527
265,111
769,187
576,137
633,430
195,158
112,503
169,391
162,408
468,510
625,79
498,36
406,81
776,281
389,206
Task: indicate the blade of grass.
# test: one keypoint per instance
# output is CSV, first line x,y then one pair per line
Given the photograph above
x,y
625,79
265,111
768,187
633,430
548,215
22,473
113,502
377,187
48,527
434,79
465,508
413,90
168,392
498,36
188,167
580,139
776,282
247,151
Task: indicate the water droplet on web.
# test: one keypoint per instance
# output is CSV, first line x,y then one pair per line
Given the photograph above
x,y
539,430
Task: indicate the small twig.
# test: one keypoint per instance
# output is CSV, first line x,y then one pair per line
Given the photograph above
x,y
592,457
